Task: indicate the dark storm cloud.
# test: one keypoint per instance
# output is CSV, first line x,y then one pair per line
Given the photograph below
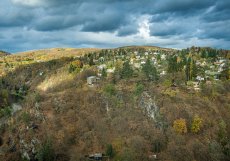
x,y
219,12
183,19
51,23
217,30
127,30
12,19
182,6
106,21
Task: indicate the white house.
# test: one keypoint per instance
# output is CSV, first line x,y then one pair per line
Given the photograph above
x,y
143,62
163,73
101,67
163,56
199,78
137,65
111,70
91,80
203,63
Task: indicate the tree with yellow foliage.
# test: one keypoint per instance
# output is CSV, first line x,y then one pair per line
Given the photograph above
x,y
196,124
180,126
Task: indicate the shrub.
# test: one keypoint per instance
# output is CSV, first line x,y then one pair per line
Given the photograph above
x,y
196,124
110,151
159,144
170,92
4,96
110,90
126,155
167,83
26,117
104,73
72,68
139,89
46,152
222,132
5,112
179,126
215,151
180,153
4,93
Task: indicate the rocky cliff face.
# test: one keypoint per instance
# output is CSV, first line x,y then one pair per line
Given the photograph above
x,y
147,103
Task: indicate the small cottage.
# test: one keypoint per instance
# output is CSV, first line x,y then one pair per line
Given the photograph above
x,y
91,80
102,66
111,70
97,156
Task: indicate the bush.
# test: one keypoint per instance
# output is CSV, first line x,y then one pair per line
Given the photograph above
x,y
180,153
139,89
4,97
159,144
126,155
180,126
222,132
169,92
110,90
4,93
196,124
215,151
46,152
167,83
110,151
5,112
72,68
26,117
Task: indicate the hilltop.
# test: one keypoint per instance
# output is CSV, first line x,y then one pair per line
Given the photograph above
x,y
3,53
129,104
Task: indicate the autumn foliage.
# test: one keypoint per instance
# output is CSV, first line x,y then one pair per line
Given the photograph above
x,y
196,124
180,126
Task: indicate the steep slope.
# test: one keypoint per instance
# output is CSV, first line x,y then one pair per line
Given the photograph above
x,y
126,118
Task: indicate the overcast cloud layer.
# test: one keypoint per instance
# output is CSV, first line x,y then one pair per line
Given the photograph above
x,y
36,24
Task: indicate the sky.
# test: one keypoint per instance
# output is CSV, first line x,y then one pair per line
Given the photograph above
x,y
37,24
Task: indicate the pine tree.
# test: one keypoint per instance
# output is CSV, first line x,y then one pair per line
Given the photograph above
x,y
110,151
104,73
91,62
225,74
127,70
194,69
149,70
188,69
191,69
172,64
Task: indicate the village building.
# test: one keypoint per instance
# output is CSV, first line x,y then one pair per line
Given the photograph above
x,y
137,65
163,57
143,62
96,156
102,66
163,73
92,79
111,70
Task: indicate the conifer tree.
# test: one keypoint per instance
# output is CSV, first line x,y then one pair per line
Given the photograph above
x,y
104,73
149,70
127,70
